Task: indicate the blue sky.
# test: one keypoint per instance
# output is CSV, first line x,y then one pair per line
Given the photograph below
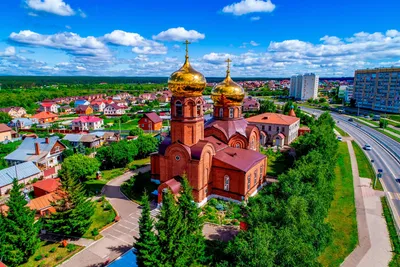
x,y
264,38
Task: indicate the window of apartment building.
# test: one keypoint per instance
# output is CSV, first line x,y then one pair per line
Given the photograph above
x,y
226,183
248,181
269,128
178,109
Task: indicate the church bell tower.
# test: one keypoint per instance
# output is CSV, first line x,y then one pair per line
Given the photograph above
x,y
187,121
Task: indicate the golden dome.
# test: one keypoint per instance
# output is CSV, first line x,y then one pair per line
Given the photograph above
x,y
187,81
227,91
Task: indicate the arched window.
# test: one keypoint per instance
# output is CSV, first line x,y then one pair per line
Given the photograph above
x,y
248,182
221,112
261,172
231,113
226,183
198,109
178,109
255,177
237,145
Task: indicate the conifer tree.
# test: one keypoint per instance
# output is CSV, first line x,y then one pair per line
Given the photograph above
x,y
20,232
193,235
147,247
171,229
73,211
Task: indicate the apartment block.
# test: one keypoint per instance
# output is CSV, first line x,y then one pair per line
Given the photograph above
x,y
304,86
378,89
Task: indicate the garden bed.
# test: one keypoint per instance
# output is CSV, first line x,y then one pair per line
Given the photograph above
x,y
222,212
137,185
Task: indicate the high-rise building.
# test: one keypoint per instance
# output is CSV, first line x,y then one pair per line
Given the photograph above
x,y
378,89
304,86
348,93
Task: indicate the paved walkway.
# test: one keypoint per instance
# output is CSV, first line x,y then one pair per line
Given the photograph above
x,y
118,238
374,247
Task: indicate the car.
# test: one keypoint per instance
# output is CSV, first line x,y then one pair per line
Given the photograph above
x,y
340,138
367,147
351,119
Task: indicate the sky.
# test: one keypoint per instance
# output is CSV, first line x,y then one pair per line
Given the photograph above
x,y
263,38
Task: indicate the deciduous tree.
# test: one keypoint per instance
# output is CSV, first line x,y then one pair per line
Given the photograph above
x,y
79,167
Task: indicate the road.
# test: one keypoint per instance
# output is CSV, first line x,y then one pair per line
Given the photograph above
x,y
385,153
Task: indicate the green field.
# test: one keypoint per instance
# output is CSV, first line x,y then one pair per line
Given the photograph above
x,y
129,125
58,255
104,214
94,186
342,213
394,238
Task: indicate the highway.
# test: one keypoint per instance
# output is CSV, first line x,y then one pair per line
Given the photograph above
x,y
385,153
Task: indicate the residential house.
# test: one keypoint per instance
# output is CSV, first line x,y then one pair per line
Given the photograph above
x,y
164,96
121,103
114,110
66,109
74,139
45,117
84,110
43,204
45,187
81,101
14,112
86,123
48,106
5,132
44,152
150,122
24,173
251,104
98,105
23,123
87,140
276,129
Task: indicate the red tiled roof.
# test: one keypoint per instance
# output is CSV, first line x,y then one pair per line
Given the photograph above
x,y
4,128
43,202
174,185
273,118
229,127
82,108
153,117
48,185
47,104
242,159
2,264
44,115
218,145
87,119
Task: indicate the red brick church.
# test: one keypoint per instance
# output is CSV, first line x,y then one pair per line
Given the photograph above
x,y
220,158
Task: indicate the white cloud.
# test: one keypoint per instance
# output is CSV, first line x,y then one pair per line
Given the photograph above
x,y
67,41
255,18
119,37
254,43
32,14
249,6
58,7
68,27
217,58
148,50
179,34
81,13
8,52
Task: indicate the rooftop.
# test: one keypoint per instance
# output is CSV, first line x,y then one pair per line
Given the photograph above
x,y
273,118
153,117
242,159
44,115
4,128
87,118
48,185
20,171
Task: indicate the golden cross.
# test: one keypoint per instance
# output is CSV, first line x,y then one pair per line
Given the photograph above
x,y
229,65
187,43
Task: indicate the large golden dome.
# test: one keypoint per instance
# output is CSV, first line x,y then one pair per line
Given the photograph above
x,y
227,92
187,81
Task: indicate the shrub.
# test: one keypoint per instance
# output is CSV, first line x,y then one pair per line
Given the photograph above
x,y
213,202
220,207
59,257
71,247
107,206
38,257
52,250
95,232
46,255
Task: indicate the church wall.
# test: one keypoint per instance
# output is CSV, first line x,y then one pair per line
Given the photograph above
x,y
255,184
155,166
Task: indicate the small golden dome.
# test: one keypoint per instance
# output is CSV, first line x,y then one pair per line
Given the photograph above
x,y
187,81
227,91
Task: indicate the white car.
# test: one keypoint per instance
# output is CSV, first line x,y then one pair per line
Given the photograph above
x,y
340,138
367,147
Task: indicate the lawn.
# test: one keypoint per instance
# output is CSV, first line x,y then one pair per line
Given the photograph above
x,y
394,239
104,214
51,254
222,212
385,132
395,117
138,163
277,162
94,186
129,125
137,185
341,132
342,213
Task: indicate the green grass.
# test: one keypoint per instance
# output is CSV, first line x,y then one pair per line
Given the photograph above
x,y
221,212
104,214
342,213
137,185
129,125
277,163
341,132
394,238
395,117
385,132
94,186
59,255
138,163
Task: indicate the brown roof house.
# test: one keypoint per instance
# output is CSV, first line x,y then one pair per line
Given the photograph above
x,y
5,133
150,122
45,187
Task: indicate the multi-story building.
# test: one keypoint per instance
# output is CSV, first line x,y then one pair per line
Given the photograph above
x,y
348,93
304,86
86,123
378,89
309,86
